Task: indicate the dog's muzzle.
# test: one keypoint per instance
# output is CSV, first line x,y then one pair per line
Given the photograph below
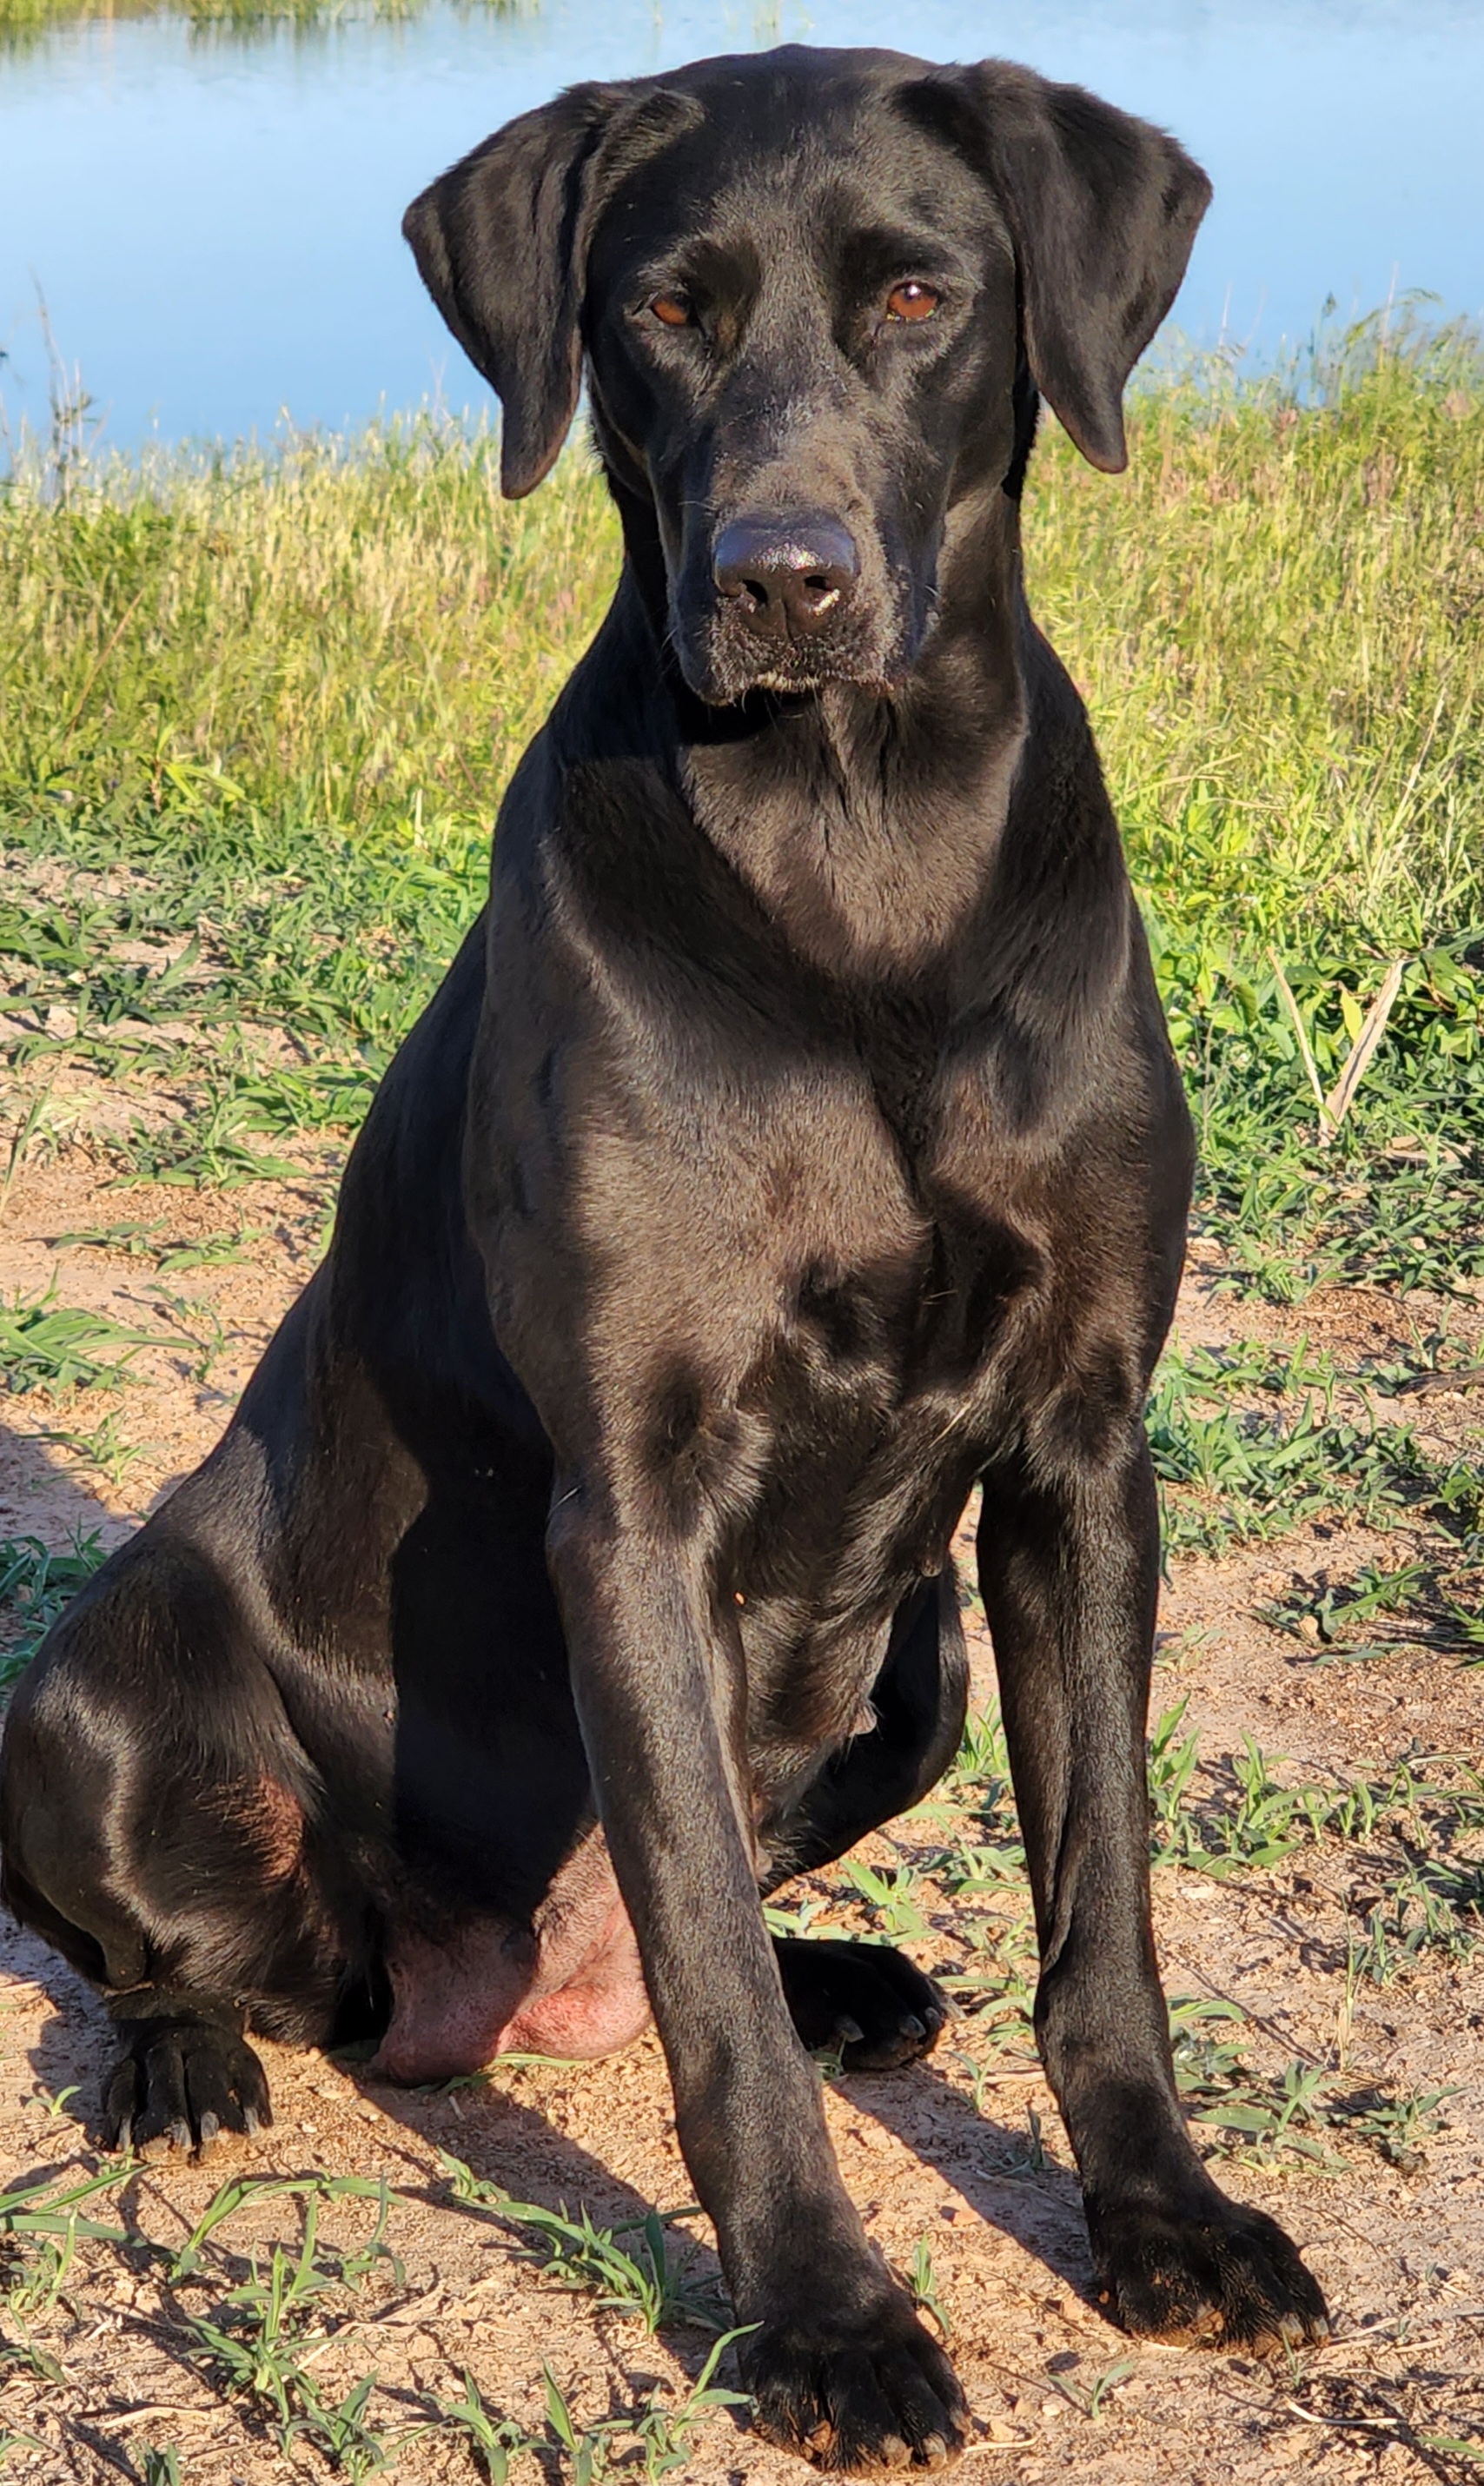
x,y
790,608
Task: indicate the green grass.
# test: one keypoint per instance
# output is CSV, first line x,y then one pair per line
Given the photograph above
x,y
1249,1446
257,712
647,2283
23,22
36,1583
254,719
256,2325
53,1346
1292,2115
1276,617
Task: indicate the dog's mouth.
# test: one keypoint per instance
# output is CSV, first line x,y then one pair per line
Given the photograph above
x,y
790,674
721,677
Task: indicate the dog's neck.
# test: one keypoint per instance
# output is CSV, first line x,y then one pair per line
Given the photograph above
x,y
866,823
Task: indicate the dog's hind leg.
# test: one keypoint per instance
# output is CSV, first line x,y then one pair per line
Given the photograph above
x,y
867,2002
154,1810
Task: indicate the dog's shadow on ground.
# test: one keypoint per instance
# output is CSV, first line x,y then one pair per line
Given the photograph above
x,y
1000,2170
67,2058
1007,2173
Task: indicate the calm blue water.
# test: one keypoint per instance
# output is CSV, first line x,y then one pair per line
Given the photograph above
x,y
215,222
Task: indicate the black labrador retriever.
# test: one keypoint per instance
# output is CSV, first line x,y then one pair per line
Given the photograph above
x,y
794,1144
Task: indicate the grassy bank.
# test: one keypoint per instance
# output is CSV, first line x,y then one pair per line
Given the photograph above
x,y
287,692
23,22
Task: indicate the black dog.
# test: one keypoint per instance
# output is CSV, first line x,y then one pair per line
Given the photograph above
x,y
794,1141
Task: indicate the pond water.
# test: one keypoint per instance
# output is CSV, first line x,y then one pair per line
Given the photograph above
x,y
212,219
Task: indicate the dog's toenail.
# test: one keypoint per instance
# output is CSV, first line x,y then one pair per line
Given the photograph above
x,y
252,2121
850,2033
911,2026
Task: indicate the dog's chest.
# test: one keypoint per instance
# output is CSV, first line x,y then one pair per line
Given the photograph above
x,y
917,1248
886,1393
914,1353
830,1330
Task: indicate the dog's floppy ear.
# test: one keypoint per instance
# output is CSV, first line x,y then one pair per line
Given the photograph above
x,y
501,242
1102,210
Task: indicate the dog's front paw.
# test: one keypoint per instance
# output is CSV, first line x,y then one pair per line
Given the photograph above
x,y
860,2393
182,2078
865,2001
1229,2277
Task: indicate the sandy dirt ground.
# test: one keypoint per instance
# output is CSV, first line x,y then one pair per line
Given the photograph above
x,y
963,2159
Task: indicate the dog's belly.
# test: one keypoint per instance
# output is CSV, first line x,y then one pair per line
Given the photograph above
x,y
570,1983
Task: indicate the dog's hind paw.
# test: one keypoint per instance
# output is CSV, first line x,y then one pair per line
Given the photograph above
x,y
859,2397
1231,2279
186,2075
867,2002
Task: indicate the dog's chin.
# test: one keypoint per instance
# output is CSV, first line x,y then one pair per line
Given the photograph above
x,y
723,677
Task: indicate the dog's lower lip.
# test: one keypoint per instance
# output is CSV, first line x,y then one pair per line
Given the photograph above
x,y
790,687
726,689
801,682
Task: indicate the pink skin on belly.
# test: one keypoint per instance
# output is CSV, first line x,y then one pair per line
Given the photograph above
x,y
570,1984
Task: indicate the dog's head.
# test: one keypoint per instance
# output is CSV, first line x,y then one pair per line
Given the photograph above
x,y
814,292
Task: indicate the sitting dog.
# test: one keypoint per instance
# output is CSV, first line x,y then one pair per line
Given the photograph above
x,y
794,1145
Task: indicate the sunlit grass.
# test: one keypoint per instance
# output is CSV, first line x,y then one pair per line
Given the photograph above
x,y
331,633
286,690
23,22
1277,618
1276,615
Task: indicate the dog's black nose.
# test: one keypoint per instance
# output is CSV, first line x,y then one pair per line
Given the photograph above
x,y
787,578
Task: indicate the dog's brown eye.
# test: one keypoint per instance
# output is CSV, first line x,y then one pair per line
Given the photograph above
x,y
672,309
912,301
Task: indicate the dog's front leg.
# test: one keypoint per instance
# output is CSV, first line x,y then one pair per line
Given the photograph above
x,y
839,2364
1070,1563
